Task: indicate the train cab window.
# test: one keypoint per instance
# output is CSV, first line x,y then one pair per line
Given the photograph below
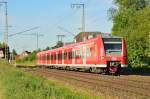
x,y
113,46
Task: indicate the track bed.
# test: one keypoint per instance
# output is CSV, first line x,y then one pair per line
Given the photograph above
x,y
109,87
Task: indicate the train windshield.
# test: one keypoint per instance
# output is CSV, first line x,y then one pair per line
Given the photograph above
x,y
113,46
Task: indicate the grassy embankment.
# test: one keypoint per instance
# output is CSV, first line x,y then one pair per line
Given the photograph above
x,y
28,61
21,85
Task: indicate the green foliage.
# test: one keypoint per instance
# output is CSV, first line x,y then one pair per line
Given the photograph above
x,y
14,52
2,45
47,48
20,85
132,21
131,4
29,59
59,44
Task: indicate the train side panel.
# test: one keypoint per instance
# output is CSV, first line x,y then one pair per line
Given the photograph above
x,y
98,52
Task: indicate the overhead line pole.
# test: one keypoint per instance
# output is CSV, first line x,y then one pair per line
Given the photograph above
x,y
6,30
60,37
37,39
83,15
14,34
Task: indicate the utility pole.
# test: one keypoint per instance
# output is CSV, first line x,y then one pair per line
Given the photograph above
x,y
79,5
6,30
15,34
60,37
37,39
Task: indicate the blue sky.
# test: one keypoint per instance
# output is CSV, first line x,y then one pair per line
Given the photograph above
x,y
49,15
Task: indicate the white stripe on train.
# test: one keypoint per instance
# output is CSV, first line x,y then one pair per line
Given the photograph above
x,y
80,65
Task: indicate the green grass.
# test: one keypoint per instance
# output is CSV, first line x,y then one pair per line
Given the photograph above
x,y
26,63
1,92
21,85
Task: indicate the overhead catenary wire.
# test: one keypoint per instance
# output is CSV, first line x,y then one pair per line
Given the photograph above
x,y
64,18
23,31
37,35
64,29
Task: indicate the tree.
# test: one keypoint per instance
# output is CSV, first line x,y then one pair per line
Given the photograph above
x,y
14,52
47,48
131,20
59,44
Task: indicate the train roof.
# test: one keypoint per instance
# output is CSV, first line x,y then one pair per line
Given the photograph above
x,y
103,35
106,35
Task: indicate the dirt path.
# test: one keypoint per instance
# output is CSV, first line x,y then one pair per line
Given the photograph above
x,y
110,87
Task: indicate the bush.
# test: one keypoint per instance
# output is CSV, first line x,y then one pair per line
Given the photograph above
x,y
29,59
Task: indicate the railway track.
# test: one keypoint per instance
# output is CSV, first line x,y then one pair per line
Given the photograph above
x,y
112,80
121,87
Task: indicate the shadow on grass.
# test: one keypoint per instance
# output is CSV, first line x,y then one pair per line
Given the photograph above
x,y
143,71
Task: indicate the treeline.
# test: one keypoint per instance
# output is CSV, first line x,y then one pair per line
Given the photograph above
x,y
31,58
131,19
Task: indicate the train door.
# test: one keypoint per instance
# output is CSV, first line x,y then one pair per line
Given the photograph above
x,y
78,55
91,53
40,59
59,57
62,56
65,56
55,57
69,56
44,58
52,57
48,58
84,55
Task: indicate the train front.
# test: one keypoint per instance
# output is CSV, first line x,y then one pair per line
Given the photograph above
x,y
115,54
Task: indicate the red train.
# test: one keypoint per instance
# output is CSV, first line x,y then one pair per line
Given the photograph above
x,y
101,54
